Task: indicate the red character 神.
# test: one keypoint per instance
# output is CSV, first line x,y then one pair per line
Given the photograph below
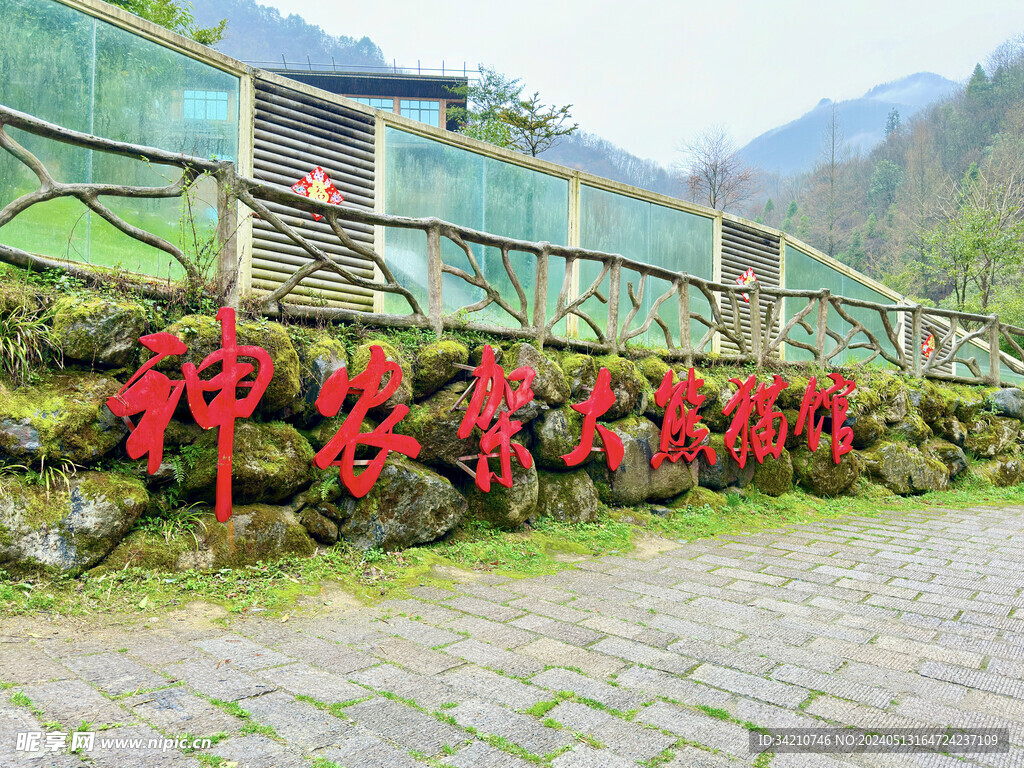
x,y
156,396
491,389
681,437
835,399
345,442
600,400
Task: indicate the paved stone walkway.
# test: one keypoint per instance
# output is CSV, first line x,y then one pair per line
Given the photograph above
x,y
904,620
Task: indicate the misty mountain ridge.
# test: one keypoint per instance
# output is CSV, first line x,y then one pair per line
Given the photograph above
x,y
793,148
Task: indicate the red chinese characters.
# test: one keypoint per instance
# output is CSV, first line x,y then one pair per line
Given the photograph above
x,y
764,437
595,406
681,437
156,396
835,399
340,450
492,388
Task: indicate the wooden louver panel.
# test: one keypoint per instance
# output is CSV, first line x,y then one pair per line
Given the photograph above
x,y
294,133
742,248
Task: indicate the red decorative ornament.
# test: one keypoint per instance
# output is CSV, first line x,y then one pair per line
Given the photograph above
x,y
681,437
834,398
595,406
340,450
492,388
928,346
747,278
317,185
156,396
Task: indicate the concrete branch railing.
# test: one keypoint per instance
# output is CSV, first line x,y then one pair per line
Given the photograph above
x,y
763,322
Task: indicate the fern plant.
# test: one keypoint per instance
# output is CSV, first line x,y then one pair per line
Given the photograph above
x,y
26,341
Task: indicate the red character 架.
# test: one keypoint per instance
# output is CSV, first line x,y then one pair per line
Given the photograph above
x,y
601,399
681,437
340,450
492,388
835,399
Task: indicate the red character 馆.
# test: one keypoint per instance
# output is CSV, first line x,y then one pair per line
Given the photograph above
x,y
835,399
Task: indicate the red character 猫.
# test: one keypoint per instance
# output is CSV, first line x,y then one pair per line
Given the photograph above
x,y
601,399
225,406
152,394
681,438
766,439
835,398
491,388
340,450
742,402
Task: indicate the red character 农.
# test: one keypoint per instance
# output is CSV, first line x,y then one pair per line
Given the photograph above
x,y
601,399
340,450
681,438
492,388
834,398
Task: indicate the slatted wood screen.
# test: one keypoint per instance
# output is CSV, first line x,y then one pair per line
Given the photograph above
x,y
742,248
294,133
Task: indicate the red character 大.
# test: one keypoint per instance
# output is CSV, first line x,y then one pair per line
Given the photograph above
x,y
601,399
681,437
226,406
492,388
834,398
340,450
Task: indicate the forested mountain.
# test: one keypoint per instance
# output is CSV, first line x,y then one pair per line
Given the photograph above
x,y
259,33
587,152
792,148
937,210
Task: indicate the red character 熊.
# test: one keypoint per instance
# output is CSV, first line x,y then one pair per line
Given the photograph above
x,y
156,396
835,399
595,406
681,437
340,450
491,389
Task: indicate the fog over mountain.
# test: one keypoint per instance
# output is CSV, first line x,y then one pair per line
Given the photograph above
x,y
793,147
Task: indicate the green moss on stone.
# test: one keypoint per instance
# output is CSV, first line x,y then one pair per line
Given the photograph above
x,y
774,477
435,365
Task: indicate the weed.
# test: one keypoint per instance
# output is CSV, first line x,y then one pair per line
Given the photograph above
x,y
27,342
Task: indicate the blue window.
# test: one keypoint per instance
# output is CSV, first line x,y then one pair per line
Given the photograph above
x,y
385,104
205,105
428,112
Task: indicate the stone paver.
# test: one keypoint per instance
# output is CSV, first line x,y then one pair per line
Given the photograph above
x,y
900,620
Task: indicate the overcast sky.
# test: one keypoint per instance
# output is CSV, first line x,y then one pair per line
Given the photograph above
x,y
649,75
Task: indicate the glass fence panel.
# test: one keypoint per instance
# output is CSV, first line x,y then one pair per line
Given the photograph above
x,y
652,234
430,178
104,80
806,273
981,355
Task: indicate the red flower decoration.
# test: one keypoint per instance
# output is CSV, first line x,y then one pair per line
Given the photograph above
x,y
317,185
747,278
928,346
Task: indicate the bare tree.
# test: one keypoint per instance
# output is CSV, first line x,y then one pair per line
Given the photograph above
x,y
713,172
834,154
